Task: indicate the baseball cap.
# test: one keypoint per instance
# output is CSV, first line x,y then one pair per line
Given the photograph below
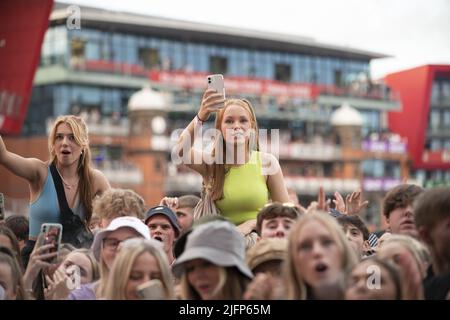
x,y
121,222
167,212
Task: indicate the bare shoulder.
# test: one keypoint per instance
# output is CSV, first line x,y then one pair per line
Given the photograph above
x,y
269,163
99,181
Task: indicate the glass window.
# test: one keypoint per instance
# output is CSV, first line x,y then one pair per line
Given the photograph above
x,y
149,58
218,64
435,119
282,72
436,144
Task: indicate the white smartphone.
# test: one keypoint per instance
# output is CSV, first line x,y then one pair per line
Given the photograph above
x,y
216,82
151,290
52,235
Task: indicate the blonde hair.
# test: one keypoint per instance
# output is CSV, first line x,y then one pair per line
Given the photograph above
x,y
84,169
217,170
123,263
7,257
90,256
231,285
420,253
114,203
296,288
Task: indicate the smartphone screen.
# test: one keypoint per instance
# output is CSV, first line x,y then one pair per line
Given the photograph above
x,y
151,290
52,235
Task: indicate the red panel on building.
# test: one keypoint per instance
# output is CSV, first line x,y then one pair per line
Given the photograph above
x,y
414,86
22,27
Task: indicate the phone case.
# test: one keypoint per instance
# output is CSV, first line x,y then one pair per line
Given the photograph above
x,y
151,290
53,234
216,82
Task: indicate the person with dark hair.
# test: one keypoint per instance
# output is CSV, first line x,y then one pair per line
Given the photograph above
x,y
275,220
356,231
20,226
432,217
398,209
163,225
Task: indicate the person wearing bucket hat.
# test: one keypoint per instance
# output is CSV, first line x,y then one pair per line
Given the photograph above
x,y
180,244
163,225
212,265
104,249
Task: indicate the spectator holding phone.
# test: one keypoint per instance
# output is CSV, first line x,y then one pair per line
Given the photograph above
x,y
79,267
104,248
239,177
137,262
68,144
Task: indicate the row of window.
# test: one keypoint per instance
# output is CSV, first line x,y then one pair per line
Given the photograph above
x,y
381,169
440,92
439,119
47,101
164,54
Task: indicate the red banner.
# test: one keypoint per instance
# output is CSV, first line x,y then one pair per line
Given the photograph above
x,y
237,84
22,27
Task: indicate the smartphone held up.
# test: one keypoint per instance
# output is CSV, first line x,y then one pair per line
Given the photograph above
x,y
52,235
151,290
216,82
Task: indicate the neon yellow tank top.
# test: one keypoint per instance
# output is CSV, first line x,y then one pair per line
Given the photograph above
x,y
244,192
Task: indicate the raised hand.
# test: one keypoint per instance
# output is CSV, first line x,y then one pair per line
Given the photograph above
x,y
322,203
57,288
211,102
171,202
354,203
339,202
38,260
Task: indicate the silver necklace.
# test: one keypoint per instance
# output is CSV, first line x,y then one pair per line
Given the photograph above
x,y
67,185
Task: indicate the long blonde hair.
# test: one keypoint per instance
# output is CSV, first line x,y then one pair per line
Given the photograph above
x,y
119,275
84,169
296,288
216,171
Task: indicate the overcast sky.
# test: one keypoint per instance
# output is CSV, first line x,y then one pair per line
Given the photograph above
x,y
414,32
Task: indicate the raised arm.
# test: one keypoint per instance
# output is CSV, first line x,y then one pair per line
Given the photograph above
x,y
211,102
30,169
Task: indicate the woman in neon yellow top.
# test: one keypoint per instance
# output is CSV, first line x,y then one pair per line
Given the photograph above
x,y
241,177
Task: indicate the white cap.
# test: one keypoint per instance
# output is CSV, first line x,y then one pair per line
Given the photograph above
x,y
121,222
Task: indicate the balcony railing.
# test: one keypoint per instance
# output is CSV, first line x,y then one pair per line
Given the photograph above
x,y
118,172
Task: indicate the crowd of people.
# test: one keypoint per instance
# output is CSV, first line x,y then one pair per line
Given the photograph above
x,y
258,243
